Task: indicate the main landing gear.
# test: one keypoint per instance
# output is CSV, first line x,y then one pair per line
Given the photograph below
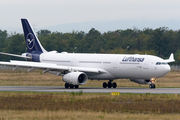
x,y
109,84
67,85
152,86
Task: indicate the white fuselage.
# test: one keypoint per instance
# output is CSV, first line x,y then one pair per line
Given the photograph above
x,y
117,66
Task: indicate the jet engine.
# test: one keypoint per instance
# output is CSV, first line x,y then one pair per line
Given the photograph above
x,y
75,78
141,81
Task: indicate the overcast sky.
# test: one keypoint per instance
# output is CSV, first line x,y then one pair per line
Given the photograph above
x,y
44,13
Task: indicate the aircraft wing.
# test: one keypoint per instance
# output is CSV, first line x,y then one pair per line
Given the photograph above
x,y
171,59
48,66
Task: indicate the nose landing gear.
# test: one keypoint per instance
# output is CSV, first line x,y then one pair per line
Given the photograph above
x,y
152,85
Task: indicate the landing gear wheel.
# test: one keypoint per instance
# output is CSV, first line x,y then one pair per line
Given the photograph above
x,y
66,85
152,86
71,86
114,85
109,84
104,85
76,86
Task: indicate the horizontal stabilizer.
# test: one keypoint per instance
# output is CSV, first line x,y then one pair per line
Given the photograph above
x,y
21,56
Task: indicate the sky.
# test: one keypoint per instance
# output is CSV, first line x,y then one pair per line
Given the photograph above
x,y
47,13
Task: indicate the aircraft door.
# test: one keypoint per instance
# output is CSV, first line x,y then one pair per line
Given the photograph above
x,y
146,63
115,64
73,61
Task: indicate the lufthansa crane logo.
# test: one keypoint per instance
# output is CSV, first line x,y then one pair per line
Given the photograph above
x,y
30,41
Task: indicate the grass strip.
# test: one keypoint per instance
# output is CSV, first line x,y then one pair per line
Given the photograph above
x,y
80,115
91,102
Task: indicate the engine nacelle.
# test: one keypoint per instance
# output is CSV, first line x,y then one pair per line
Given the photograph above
x,y
75,78
141,81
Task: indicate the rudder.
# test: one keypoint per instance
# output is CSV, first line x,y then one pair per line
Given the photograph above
x,y
32,42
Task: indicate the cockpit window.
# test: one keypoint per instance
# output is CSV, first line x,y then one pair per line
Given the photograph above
x,y
161,63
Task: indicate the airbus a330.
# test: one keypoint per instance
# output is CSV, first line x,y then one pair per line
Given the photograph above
x,y
77,68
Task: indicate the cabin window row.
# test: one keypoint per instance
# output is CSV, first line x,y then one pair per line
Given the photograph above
x,y
94,62
161,63
64,61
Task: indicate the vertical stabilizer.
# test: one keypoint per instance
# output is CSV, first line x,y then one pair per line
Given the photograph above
x,y
32,42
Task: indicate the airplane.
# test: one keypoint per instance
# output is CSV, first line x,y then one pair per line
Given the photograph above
x,y
77,68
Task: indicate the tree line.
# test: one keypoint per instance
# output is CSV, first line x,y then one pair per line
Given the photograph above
x,y
159,42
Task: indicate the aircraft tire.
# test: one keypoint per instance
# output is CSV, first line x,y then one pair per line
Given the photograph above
x,y
114,85
109,84
76,86
71,86
66,85
150,86
104,85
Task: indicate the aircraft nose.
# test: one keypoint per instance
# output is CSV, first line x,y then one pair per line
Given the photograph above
x,y
167,69
164,70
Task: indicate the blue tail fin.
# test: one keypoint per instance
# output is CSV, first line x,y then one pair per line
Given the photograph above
x,y
32,42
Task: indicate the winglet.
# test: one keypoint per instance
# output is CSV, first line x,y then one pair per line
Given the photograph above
x,y
171,58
